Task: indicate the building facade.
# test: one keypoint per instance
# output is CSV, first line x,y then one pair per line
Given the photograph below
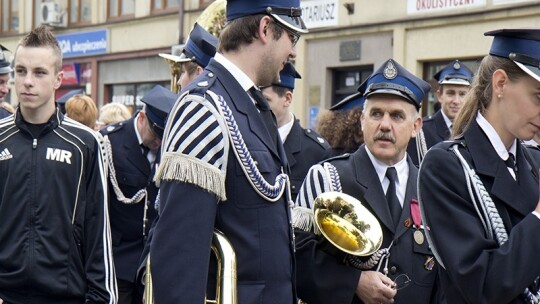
x,y
111,47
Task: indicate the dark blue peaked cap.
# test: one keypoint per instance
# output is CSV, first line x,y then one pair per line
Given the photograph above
x,y
350,102
4,63
519,45
200,46
392,78
286,12
159,102
287,76
454,73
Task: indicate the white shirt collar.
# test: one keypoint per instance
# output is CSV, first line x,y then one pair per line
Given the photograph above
x,y
447,120
286,129
494,138
402,168
237,73
139,139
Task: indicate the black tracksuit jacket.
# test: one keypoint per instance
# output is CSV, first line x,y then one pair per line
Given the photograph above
x,y
54,228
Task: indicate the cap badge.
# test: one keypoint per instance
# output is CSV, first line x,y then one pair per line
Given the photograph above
x,y
457,66
390,71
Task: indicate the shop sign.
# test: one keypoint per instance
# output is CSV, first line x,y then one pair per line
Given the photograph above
x,y
320,13
83,43
71,74
429,6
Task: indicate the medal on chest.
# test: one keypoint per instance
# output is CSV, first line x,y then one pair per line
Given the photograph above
x,y
418,234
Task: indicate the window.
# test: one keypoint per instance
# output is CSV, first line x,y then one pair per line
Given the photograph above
x,y
164,5
121,8
10,15
347,81
430,103
80,11
130,94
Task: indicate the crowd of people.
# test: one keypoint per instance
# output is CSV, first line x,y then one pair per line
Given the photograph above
x,y
89,198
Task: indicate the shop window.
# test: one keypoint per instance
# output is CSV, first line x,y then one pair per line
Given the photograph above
x,y
430,103
161,6
10,15
121,8
347,80
130,94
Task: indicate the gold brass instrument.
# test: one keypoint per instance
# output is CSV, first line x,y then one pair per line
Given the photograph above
x,y
226,274
176,70
347,224
212,19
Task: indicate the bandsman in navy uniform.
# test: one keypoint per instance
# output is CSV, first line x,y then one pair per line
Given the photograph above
x,y
223,166
5,69
402,270
340,125
304,147
454,83
134,145
479,192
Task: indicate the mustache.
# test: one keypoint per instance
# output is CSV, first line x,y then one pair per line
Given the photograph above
x,y
384,136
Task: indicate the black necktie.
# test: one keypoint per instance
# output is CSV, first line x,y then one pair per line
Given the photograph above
x,y
145,150
391,196
266,113
511,163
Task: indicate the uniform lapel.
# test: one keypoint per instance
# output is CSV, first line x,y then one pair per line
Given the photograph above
x,y
293,144
442,130
133,149
410,194
504,188
367,177
242,103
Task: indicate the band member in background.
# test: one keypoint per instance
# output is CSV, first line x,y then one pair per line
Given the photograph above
x,y
5,69
480,191
383,177
223,164
454,83
134,146
55,239
303,147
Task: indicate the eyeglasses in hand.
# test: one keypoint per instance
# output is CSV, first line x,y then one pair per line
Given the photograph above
x,y
402,281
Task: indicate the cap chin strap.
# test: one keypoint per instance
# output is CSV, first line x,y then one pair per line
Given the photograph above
x,y
528,60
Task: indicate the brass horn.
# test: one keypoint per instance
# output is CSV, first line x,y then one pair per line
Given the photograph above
x,y
347,224
226,274
176,70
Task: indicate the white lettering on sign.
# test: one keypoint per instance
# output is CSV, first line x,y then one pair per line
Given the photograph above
x,y
320,13
426,6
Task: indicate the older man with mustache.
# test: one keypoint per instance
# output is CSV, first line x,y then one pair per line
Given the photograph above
x,y
383,177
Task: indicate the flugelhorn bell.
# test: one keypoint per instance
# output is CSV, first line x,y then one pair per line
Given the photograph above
x,y
347,224
214,17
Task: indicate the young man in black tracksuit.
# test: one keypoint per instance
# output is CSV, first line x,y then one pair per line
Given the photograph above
x,y
54,236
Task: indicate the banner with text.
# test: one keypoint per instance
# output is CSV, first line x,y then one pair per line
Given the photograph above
x,y
429,6
320,13
83,43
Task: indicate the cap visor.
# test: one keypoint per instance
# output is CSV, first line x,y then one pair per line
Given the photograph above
x,y
174,58
293,23
456,82
532,71
5,70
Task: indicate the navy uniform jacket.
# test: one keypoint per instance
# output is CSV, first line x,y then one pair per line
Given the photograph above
x,y
435,131
478,270
197,150
304,148
133,173
323,278
4,113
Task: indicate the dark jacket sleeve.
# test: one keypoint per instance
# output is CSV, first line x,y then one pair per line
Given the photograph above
x,y
185,227
99,266
321,278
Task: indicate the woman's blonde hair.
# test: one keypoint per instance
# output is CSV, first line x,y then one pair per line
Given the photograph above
x,y
82,109
113,112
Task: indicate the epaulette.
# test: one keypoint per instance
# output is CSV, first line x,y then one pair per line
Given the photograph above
x,y
317,138
447,144
113,128
337,157
200,87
